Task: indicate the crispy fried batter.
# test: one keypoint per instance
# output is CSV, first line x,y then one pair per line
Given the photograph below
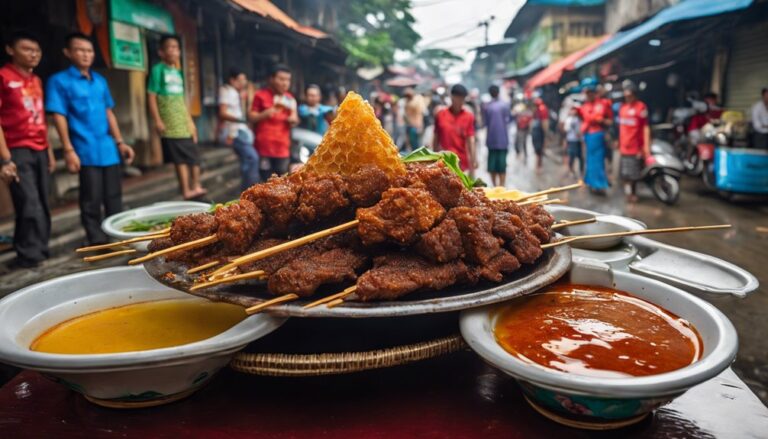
x,y
321,196
304,275
396,275
191,227
238,225
399,217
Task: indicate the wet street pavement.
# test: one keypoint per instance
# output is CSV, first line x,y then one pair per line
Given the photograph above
x,y
742,245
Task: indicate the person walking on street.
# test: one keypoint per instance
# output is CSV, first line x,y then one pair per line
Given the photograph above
x,y
26,159
497,115
273,113
523,119
595,116
313,115
455,130
82,104
415,107
634,139
760,121
539,128
168,108
234,127
572,128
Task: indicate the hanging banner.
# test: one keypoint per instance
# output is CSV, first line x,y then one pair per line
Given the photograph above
x,y
126,43
143,14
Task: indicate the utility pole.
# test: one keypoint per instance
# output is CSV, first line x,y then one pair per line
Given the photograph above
x,y
485,23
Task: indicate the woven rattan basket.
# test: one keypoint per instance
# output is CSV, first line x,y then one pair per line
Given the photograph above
x,y
344,362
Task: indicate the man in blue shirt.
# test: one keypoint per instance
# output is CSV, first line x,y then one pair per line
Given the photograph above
x,y
313,115
81,104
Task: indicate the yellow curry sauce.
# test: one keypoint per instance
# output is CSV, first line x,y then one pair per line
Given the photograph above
x,y
140,327
597,332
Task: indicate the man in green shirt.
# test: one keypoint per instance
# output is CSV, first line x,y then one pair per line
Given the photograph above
x,y
168,108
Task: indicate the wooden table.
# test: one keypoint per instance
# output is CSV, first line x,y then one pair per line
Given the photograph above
x,y
457,396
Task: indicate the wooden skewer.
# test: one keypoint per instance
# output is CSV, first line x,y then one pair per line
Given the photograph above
x,y
544,202
108,255
250,275
334,303
633,232
551,191
276,301
124,242
185,246
284,246
202,267
332,297
572,223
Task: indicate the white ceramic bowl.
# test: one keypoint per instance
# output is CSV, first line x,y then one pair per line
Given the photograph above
x,y
611,399
113,225
141,378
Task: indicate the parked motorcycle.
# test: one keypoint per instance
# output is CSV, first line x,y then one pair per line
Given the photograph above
x,y
663,174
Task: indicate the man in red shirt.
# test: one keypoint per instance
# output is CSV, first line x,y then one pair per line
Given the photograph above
x,y
26,160
596,116
634,139
273,113
539,130
455,130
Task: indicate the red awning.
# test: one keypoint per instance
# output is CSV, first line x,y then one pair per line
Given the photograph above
x,y
265,8
552,73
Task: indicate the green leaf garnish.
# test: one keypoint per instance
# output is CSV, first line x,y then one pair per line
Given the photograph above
x,y
450,159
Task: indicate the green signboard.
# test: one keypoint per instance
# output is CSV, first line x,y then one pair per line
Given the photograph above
x,y
127,46
143,14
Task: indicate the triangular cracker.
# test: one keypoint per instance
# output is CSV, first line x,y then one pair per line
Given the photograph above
x,y
354,139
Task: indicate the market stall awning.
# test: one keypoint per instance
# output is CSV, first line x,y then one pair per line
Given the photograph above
x,y
553,73
685,10
267,9
534,66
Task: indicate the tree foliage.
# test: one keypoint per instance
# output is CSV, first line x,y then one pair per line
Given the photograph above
x,y
438,61
371,30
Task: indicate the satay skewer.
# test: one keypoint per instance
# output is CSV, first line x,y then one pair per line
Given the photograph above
x,y
276,301
161,234
543,202
202,267
632,233
250,275
283,247
108,255
185,246
551,191
347,292
562,224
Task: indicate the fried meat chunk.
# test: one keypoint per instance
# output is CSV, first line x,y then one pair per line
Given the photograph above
x,y
399,217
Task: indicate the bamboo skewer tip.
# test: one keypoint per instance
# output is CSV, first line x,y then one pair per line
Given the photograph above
x,y
276,301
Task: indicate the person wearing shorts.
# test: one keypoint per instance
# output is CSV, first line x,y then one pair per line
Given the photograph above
x,y
539,129
572,127
273,113
168,107
634,139
497,116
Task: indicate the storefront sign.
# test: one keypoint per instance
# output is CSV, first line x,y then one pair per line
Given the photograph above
x,y
126,43
143,14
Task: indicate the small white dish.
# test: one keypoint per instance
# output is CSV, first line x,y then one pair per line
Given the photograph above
x,y
127,379
113,225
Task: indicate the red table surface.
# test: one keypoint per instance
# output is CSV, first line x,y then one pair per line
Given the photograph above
x,y
457,396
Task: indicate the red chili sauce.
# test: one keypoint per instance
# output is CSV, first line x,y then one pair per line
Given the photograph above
x,y
598,332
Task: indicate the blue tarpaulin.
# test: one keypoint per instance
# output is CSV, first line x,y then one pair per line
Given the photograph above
x,y
685,10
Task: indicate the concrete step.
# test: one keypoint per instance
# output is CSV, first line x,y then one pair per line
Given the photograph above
x,y
221,177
